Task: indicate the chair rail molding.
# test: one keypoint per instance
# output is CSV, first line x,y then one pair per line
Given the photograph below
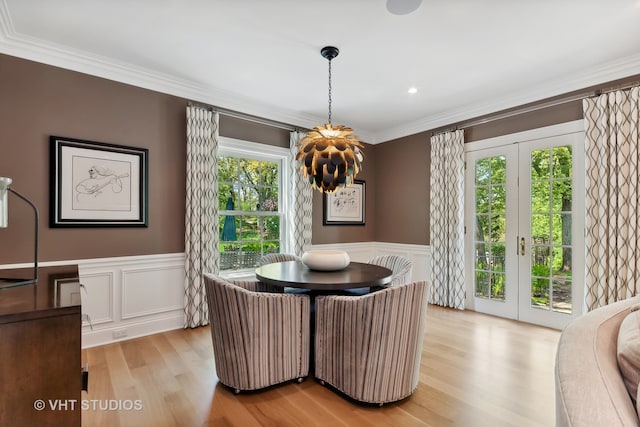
x,y
130,297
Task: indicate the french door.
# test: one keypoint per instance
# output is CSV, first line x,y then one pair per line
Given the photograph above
x,y
524,229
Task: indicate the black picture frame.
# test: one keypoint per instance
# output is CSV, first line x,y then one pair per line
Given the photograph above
x,y
346,206
96,184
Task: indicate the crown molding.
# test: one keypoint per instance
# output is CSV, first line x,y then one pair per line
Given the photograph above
x,y
64,57
619,69
33,49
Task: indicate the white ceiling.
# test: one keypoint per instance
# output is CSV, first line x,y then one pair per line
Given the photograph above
x,y
466,57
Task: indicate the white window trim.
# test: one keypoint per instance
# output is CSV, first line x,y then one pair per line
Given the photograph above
x,y
241,148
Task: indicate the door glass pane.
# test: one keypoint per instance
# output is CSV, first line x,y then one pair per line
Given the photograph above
x,y
562,162
540,293
497,258
483,170
498,228
482,200
562,295
482,283
561,195
497,286
540,197
498,169
490,230
498,198
540,228
551,187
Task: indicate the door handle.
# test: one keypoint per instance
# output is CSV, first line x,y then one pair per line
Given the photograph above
x,y
522,245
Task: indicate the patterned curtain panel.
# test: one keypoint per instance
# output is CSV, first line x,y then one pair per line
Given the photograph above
x,y
300,201
201,216
612,184
447,219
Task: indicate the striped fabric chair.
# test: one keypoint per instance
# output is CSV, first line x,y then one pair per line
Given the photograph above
x,y
399,265
259,339
271,258
369,347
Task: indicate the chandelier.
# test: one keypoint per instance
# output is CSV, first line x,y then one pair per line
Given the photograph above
x,y
330,156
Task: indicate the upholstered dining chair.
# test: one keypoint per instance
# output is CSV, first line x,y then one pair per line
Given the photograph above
x,y
259,338
399,265
369,347
271,258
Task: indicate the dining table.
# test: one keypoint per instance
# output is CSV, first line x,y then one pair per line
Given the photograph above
x,y
295,274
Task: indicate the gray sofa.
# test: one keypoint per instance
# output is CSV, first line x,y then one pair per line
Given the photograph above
x,y
589,387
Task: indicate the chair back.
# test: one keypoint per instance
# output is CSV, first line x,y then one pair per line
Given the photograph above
x,y
399,265
259,338
370,346
271,258
227,303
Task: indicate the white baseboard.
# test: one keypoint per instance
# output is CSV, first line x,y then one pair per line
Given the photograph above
x,y
121,331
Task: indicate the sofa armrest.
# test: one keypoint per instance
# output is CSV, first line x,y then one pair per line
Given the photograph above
x,y
589,387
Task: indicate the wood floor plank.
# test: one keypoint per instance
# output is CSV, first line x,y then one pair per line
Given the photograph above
x,y
476,371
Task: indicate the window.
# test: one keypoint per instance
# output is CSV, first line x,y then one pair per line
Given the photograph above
x,y
251,202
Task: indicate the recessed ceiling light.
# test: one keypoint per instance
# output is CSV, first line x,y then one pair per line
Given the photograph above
x,y
413,90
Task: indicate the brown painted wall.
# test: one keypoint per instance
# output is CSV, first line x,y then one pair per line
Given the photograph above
x,y
402,190
38,101
546,117
233,127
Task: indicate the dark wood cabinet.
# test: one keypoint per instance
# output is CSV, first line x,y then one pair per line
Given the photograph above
x,y
40,349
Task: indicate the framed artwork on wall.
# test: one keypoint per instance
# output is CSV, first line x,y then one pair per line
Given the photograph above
x,y
95,184
346,206
65,292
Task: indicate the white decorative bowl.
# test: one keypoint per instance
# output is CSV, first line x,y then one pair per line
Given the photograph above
x,y
326,260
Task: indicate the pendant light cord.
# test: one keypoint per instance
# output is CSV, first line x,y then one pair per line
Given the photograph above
x,y
329,91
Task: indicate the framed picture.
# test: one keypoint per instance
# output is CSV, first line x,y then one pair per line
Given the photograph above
x,y
346,206
66,292
94,184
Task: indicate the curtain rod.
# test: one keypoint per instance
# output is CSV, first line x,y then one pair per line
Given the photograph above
x,y
247,117
539,106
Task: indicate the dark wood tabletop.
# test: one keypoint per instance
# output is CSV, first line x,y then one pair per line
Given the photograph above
x,y
57,289
297,275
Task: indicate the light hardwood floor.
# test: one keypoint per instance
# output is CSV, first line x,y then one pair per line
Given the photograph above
x,y
476,370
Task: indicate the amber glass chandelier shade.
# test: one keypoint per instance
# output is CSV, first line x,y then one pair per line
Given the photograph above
x,y
330,157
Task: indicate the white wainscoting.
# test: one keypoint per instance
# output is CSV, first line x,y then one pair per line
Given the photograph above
x,y
129,297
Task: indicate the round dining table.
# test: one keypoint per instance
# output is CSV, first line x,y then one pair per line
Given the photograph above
x,y
295,274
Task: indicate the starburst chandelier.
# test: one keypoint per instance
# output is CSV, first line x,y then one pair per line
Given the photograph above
x,y
330,156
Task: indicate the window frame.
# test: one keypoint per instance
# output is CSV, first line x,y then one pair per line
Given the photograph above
x,y
230,147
